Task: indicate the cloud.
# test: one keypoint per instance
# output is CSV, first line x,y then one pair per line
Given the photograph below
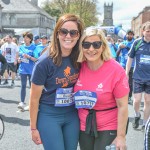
x,y
123,10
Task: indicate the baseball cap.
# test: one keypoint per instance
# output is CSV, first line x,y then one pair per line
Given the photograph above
x,y
36,37
43,37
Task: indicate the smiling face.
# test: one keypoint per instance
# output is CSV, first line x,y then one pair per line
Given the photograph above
x,y
92,54
67,42
27,40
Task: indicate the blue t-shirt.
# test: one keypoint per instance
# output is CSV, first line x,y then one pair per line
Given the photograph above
x,y
142,60
52,77
26,65
124,52
38,50
112,49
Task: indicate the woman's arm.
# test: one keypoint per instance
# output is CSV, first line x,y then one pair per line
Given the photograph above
x,y
35,94
122,104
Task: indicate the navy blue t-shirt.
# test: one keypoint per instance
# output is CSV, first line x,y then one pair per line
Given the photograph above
x,y
46,73
142,60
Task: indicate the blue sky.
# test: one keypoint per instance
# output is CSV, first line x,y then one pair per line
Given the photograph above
x,y
123,10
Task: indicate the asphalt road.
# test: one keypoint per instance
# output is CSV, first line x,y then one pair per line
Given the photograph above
x,y
17,131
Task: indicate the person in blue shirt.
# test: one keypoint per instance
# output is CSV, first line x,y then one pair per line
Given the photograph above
x,y
41,47
37,40
54,120
122,52
111,46
26,60
141,74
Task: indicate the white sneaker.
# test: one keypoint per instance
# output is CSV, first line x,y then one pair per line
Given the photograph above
x,y
21,105
26,108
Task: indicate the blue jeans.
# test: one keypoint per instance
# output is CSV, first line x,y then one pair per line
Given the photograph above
x,y
58,127
23,85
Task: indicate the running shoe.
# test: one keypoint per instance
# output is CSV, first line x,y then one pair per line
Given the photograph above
x,y
135,122
21,105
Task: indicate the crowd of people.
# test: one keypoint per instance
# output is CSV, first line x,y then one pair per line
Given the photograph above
x,y
81,83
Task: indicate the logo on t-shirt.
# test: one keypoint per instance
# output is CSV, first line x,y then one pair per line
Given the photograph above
x,y
99,87
125,82
8,51
79,83
68,78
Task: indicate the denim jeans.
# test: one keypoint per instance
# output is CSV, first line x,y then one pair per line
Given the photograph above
x,y
23,85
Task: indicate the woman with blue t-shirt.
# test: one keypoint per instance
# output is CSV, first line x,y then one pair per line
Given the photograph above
x,y
26,60
53,117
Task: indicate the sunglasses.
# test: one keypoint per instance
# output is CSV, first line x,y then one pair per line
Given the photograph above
x,y
96,44
63,32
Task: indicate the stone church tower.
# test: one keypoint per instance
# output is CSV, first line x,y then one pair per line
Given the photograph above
x,y
108,15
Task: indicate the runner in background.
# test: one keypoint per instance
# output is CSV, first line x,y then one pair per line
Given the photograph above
x,y
26,60
140,52
122,52
10,51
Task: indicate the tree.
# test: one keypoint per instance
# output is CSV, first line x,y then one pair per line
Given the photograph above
x,y
85,9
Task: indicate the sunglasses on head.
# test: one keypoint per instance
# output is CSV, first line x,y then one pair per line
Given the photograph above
x,y
63,32
96,44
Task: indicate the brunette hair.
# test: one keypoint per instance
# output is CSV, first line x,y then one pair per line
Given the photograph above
x,y
55,50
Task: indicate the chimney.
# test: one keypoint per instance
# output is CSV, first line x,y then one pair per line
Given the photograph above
x,y
34,2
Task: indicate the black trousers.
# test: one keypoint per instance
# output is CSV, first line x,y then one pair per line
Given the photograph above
x,y
105,138
131,81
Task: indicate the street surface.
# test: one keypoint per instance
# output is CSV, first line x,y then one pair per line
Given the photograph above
x,y
17,131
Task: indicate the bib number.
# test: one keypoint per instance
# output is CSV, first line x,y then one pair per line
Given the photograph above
x,y
85,99
64,97
25,60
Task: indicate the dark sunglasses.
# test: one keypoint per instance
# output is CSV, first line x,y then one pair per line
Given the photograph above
x,y
73,33
96,44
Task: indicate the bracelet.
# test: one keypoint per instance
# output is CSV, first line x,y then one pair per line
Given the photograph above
x,y
33,129
30,57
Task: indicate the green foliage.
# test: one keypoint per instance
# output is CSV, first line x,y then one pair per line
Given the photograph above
x,y
85,9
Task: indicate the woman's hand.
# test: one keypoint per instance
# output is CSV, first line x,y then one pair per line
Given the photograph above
x,y
19,60
120,143
26,56
36,137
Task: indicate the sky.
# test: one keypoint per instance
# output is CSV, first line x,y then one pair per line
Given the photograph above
x,y
123,10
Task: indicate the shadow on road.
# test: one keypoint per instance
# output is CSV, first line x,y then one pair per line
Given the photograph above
x,y
15,120
8,101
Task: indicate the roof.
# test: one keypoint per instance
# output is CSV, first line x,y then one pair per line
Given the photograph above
x,y
21,6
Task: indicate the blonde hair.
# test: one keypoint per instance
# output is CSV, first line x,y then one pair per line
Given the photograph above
x,y
90,31
146,26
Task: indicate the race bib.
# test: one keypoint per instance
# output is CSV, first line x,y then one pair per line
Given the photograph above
x,y
145,59
25,60
85,99
64,97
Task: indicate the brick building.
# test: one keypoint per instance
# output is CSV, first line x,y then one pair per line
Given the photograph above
x,y
138,21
